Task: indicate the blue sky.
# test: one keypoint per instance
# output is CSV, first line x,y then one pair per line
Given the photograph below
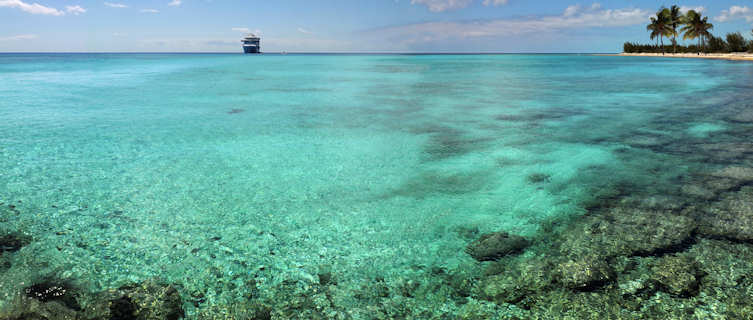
x,y
343,25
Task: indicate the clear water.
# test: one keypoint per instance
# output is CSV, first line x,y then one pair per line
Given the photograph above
x,y
207,170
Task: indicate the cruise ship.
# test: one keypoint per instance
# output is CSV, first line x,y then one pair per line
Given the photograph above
x,y
251,44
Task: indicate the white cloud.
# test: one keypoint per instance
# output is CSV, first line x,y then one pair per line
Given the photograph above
x,y
243,30
33,8
302,30
149,11
736,13
684,9
443,5
75,10
571,10
495,2
175,3
574,17
19,37
115,5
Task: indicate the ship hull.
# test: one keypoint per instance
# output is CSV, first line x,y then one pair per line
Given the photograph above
x,y
251,49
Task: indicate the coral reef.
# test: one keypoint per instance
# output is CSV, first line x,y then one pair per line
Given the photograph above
x,y
678,275
61,300
492,246
584,273
731,217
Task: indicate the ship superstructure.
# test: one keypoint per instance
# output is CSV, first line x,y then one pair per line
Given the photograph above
x,y
251,43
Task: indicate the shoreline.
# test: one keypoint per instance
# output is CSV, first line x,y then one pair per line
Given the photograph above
x,y
717,56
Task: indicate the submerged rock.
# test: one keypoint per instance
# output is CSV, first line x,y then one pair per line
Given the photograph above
x,y
32,309
744,174
538,178
709,186
13,241
492,246
745,116
585,273
55,299
516,279
731,217
724,151
149,300
60,291
627,231
677,275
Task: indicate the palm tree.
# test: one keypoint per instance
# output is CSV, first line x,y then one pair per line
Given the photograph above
x,y
675,19
696,27
660,26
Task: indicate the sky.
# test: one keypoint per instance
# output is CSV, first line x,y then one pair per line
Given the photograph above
x,y
343,25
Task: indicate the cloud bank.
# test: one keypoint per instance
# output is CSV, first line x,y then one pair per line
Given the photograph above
x,y
736,13
19,37
75,10
445,5
573,17
115,5
33,8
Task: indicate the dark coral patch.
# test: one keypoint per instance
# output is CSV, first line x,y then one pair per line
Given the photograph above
x,y
434,182
539,178
49,290
122,309
12,242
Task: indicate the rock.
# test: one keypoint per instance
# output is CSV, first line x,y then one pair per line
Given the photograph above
x,y
516,280
538,178
13,241
698,191
33,309
731,217
735,172
725,264
492,246
149,300
708,186
726,151
585,273
677,275
47,291
4,263
625,231
745,116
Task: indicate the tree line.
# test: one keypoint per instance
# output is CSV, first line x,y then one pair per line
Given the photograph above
x,y
670,22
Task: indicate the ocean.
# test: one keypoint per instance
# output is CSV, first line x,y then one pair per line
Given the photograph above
x,y
351,186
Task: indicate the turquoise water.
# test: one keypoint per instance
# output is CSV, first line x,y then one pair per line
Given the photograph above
x,y
208,171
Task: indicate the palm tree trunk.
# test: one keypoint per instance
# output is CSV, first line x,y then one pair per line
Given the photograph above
x,y
699,45
662,44
674,43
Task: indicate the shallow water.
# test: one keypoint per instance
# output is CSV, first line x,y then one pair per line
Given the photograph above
x,y
210,170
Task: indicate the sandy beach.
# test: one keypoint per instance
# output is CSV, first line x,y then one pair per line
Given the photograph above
x,y
723,56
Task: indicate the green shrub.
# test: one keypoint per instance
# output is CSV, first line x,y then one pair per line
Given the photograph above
x,y
736,42
716,45
630,47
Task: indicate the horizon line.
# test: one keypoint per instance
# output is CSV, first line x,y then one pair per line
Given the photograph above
x,y
302,52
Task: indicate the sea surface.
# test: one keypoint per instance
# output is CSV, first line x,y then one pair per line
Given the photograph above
x,y
259,180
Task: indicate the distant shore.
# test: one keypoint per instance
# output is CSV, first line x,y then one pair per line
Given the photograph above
x,y
721,56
